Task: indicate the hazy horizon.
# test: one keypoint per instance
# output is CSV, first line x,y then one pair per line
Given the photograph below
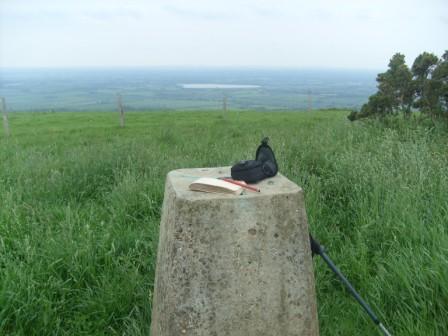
x,y
183,88
193,67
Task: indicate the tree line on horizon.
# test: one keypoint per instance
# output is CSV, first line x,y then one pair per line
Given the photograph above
x,y
404,90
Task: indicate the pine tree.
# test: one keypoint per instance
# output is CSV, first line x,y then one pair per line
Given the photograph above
x,y
439,81
396,85
426,98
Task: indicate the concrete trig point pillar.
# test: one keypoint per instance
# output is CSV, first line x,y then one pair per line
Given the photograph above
x,y
233,265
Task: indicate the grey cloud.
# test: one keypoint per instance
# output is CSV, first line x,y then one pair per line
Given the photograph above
x,y
267,12
199,14
364,15
109,14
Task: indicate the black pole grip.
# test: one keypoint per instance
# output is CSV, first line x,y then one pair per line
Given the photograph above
x,y
315,247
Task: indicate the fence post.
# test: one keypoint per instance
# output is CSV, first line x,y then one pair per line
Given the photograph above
x,y
120,109
5,116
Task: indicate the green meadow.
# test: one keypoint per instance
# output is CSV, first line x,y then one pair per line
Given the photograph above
x,y
80,202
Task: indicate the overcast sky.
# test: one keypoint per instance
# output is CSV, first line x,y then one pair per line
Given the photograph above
x,y
274,33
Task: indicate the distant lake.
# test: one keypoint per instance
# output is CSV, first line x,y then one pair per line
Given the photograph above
x,y
218,86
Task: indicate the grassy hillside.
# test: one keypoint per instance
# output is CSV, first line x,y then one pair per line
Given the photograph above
x,y
80,208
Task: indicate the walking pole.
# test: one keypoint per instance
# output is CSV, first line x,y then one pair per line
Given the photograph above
x,y
316,248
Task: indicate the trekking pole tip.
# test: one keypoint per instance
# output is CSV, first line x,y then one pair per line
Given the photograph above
x,y
384,330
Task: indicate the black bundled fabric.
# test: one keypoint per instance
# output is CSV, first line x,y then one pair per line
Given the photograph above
x,y
252,171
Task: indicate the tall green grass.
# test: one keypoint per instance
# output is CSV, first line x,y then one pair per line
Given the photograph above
x,y
81,198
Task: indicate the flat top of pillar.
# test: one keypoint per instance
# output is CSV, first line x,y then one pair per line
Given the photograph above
x,y
180,180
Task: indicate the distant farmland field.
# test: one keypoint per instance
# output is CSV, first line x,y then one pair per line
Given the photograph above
x,y
81,198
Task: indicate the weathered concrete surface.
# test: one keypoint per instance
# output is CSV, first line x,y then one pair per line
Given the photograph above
x,y
233,265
